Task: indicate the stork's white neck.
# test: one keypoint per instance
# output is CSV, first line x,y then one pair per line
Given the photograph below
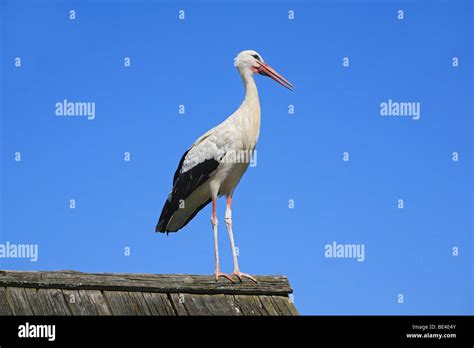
x,y
250,108
251,92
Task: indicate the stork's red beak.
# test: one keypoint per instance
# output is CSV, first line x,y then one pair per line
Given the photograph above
x,y
266,70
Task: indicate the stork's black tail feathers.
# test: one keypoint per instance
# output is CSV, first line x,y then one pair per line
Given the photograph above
x,y
185,184
168,212
164,218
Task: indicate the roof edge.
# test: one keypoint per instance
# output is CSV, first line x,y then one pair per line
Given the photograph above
x,y
161,283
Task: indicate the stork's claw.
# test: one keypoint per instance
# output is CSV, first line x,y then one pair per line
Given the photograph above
x,y
220,274
241,275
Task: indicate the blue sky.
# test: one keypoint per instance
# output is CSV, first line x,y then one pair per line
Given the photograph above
x,y
189,62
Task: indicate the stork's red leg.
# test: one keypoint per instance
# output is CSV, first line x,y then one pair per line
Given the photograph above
x,y
214,222
228,222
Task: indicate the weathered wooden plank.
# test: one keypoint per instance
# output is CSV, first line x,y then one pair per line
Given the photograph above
x,y
166,283
195,304
52,302
33,300
177,300
98,300
284,306
220,305
159,304
268,304
139,303
290,305
18,301
140,294
233,304
79,304
4,305
125,303
280,310
117,301
250,305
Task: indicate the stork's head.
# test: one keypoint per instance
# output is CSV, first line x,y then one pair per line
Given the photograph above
x,y
250,62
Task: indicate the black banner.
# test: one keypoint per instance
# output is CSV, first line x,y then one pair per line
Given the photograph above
x,y
392,330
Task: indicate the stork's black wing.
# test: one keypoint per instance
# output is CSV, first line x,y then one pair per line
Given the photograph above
x,y
184,184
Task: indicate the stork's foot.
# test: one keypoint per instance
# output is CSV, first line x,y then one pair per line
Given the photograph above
x,y
220,274
241,275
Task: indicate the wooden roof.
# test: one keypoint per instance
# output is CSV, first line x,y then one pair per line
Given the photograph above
x,y
76,293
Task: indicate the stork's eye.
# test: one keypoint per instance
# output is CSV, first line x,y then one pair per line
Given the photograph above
x,y
256,56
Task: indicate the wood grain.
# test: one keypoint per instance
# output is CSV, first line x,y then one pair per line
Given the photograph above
x,y
159,304
79,302
18,300
4,305
76,293
166,283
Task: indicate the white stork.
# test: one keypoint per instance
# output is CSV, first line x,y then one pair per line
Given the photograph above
x,y
209,168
